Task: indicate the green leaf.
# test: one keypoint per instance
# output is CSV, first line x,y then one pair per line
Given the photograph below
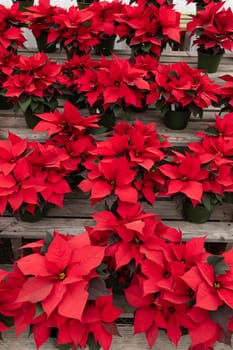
x,y
25,104
218,263
93,345
8,321
173,74
48,239
222,316
63,347
229,197
39,310
206,201
97,288
211,131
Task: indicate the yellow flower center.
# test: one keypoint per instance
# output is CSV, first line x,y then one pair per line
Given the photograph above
x,y
217,285
61,276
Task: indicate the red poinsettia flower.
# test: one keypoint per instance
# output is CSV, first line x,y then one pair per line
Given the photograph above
x,y
226,92
33,80
213,287
74,31
110,176
139,24
59,278
185,177
184,87
69,124
214,28
22,313
122,83
141,143
98,319
11,36
41,17
103,21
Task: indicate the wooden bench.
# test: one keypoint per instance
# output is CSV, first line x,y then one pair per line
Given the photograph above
x,y
77,210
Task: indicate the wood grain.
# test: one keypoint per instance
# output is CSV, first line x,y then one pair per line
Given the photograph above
x,y
127,341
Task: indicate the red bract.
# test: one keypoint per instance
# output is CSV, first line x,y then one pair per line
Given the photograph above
x,y
7,62
41,17
60,276
148,28
212,288
214,27
33,79
140,143
11,36
226,92
103,21
22,313
130,229
74,31
184,87
185,176
69,125
123,84
110,176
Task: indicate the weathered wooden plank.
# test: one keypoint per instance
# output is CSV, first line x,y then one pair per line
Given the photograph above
x,y
127,341
177,138
11,227
79,206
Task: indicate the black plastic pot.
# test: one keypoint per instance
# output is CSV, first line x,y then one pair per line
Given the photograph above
x,y
177,120
40,212
5,103
31,119
42,43
106,46
198,214
23,4
208,62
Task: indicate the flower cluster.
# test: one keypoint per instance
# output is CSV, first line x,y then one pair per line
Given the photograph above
x,y
32,83
226,93
109,84
148,29
74,31
182,87
11,36
204,174
57,286
41,18
65,283
214,28
125,164
70,131
31,175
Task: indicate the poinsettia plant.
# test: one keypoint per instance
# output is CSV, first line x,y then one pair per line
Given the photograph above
x,y
74,31
125,165
182,87
71,71
58,287
114,85
226,93
213,27
7,61
201,3
104,22
71,132
31,175
203,175
32,86
41,21
148,29
11,35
